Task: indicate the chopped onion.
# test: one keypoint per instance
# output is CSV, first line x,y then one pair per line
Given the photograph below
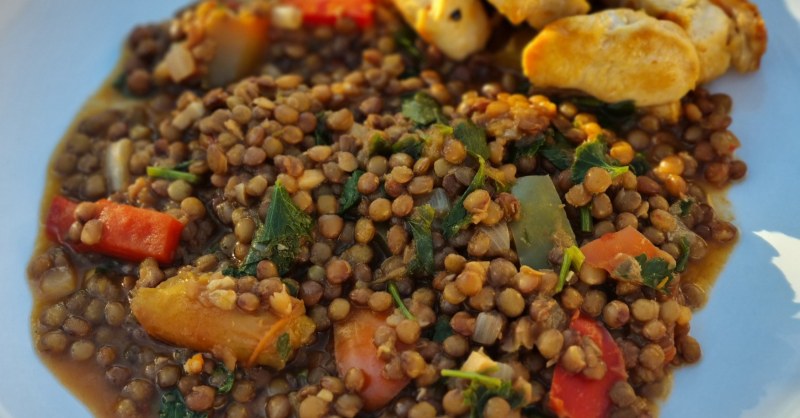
x,y
487,328
439,202
499,238
287,17
118,157
179,62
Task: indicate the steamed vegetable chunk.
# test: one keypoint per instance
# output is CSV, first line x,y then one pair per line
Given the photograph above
x,y
199,311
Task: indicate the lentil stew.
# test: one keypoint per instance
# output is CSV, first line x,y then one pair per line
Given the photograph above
x,y
279,210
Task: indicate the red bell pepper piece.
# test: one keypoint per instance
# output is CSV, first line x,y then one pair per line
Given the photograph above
x,y
129,233
576,396
327,12
602,252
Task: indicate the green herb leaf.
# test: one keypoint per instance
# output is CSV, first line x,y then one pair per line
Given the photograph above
x,y
169,174
655,272
350,195
586,218
421,222
423,109
618,116
639,165
378,145
409,144
280,237
573,258
482,388
442,329
683,259
399,301
322,136
593,154
473,137
406,40
458,218
173,406
685,206
284,347
183,166
529,149
557,149
222,378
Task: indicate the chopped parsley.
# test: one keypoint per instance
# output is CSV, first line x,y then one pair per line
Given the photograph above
x,y
482,388
655,272
322,136
442,329
222,379
378,145
423,109
280,237
683,259
639,165
458,217
174,406
593,154
556,149
409,144
350,195
421,222
284,347
473,137
618,116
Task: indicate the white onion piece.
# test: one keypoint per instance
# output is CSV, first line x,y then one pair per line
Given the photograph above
x,y
439,202
118,157
499,238
487,328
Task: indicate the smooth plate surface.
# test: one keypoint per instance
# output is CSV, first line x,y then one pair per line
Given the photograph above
x,y
54,54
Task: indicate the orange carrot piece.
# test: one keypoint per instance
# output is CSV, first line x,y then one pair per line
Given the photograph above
x,y
576,396
354,348
129,233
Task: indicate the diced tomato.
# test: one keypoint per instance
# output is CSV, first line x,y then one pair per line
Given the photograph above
x,y
602,252
354,348
129,233
576,396
327,12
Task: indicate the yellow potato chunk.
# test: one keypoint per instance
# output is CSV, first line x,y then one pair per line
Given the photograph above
x,y
539,13
614,55
180,312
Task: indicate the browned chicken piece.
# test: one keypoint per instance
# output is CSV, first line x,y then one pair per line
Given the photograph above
x,y
539,13
614,55
457,27
725,32
749,41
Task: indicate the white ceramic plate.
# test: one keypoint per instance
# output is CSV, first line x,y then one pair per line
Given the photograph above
x,y
54,54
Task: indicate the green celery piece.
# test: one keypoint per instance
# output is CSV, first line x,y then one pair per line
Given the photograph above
x,y
279,238
350,195
593,154
543,224
168,174
458,218
473,137
421,222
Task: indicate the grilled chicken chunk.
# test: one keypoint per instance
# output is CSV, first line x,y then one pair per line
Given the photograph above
x,y
539,13
725,32
457,27
614,55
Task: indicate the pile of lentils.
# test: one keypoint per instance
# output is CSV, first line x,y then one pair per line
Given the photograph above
x,y
349,84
